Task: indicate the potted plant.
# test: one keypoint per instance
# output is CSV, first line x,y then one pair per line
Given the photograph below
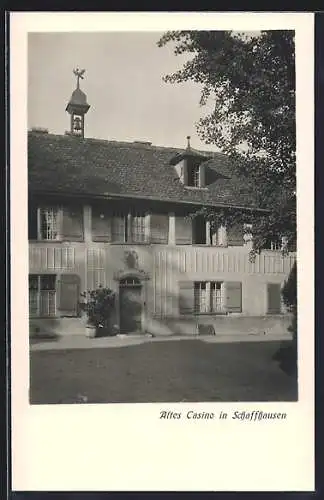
x,y
98,306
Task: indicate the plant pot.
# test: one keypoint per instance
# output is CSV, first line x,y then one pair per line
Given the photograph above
x,y
91,331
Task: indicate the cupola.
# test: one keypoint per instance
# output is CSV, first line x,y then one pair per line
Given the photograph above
x,y
77,106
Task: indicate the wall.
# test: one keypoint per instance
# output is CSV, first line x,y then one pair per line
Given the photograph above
x,y
221,325
166,265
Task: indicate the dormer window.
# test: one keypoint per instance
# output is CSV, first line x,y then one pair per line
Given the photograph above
x,y
190,166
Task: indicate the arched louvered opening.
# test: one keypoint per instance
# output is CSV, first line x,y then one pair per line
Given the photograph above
x,y
130,281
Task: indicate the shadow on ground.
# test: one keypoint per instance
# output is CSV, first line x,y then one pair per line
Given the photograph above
x,y
183,370
286,356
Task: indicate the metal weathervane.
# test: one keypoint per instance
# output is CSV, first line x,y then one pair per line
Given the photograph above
x,y
79,74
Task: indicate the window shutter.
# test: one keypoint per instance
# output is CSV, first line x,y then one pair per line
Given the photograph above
x,y
274,298
159,230
69,292
101,225
72,223
118,228
235,236
183,230
32,221
202,176
186,297
233,296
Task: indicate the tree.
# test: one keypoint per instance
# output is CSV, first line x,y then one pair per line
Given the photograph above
x,y
287,355
251,78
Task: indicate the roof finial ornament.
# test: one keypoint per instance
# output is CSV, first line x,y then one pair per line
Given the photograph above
x,y
79,74
188,139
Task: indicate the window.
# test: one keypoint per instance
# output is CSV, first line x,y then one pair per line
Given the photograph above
x,y
274,243
53,223
218,237
200,298
208,297
48,223
216,296
42,295
193,175
130,228
129,281
199,236
138,228
203,234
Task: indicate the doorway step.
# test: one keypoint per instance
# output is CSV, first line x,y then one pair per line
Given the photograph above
x,y
134,335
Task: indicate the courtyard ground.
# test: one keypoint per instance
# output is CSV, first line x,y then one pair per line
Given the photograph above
x,y
182,370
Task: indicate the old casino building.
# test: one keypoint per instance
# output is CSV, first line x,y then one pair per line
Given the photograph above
x,y
116,214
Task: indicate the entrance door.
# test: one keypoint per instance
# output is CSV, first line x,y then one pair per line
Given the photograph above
x,y
274,298
69,294
130,300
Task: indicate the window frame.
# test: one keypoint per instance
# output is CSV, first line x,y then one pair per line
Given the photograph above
x,y
129,236
209,303
40,292
59,216
213,237
193,176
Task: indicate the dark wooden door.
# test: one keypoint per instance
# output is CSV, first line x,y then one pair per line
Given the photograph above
x,y
69,294
274,298
130,309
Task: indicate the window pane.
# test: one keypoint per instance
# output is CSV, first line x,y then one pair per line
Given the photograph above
x,y
196,177
47,282
42,295
49,223
216,296
130,282
272,244
200,297
193,175
138,228
33,302
47,303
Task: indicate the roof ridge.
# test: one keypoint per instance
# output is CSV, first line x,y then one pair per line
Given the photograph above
x,y
135,144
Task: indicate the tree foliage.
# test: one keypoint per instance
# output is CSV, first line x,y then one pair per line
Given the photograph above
x,y
289,292
251,78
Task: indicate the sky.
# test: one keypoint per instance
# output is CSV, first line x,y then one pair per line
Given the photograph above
x,y
123,83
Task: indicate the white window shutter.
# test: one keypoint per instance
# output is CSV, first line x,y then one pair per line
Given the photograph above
x,y
101,225
183,230
233,291
186,297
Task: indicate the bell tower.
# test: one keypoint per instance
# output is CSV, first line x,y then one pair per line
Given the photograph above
x,y
77,106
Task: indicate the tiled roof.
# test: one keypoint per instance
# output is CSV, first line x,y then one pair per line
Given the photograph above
x,y
92,167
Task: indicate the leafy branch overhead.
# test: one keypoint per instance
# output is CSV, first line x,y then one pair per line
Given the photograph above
x,y
248,85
